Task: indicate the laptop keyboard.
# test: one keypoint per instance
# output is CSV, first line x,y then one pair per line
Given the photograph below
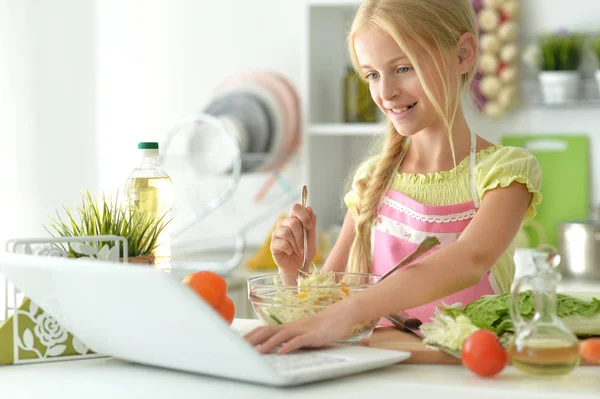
x,y
301,360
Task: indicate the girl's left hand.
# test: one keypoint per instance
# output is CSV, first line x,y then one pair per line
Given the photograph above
x,y
315,331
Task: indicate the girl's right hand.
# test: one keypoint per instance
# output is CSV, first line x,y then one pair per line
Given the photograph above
x,y
287,240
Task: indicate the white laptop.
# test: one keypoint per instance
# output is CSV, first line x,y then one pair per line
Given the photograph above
x,y
144,315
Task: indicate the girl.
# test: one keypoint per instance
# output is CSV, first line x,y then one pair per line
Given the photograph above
x,y
434,176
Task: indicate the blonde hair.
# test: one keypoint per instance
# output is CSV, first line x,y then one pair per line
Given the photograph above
x,y
425,30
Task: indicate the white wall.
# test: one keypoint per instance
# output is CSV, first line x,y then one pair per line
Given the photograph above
x,y
47,98
87,80
16,128
160,61
81,82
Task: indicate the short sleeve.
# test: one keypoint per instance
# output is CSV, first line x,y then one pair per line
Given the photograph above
x,y
508,165
364,170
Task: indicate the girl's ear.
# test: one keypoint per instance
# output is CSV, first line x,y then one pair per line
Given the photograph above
x,y
467,52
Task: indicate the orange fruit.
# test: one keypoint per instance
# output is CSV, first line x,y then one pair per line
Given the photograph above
x,y
227,310
209,285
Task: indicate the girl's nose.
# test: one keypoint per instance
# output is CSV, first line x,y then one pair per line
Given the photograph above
x,y
389,89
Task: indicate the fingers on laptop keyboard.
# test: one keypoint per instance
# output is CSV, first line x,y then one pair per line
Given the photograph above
x,y
260,334
277,338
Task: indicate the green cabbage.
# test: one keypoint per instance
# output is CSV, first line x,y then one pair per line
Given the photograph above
x,y
452,325
492,312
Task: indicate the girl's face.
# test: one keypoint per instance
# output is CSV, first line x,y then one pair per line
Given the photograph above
x,y
394,84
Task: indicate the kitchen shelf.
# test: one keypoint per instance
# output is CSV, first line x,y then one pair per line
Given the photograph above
x,y
331,149
575,104
347,129
336,3
588,95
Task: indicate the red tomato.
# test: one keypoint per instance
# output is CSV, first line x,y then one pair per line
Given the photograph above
x,y
483,355
590,350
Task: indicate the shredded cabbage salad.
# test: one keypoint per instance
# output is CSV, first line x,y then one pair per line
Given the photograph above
x,y
291,305
316,291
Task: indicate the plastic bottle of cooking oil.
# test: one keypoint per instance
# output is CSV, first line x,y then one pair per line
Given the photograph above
x,y
149,189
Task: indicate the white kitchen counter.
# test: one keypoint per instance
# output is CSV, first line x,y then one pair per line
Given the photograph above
x,y
115,379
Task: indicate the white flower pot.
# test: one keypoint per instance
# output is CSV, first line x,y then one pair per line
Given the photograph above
x,y
598,79
559,87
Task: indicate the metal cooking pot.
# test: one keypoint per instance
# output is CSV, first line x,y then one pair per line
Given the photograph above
x,y
579,247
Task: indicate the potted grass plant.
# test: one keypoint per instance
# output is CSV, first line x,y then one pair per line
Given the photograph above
x,y
557,56
105,216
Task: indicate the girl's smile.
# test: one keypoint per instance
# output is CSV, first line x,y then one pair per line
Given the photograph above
x,y
400,112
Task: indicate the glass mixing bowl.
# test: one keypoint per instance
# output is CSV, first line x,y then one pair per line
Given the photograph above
x,y
279,298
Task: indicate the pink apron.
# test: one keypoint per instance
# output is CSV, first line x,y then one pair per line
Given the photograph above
x,y
402,223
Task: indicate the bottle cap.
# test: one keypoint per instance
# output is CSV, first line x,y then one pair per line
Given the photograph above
x,y
148,145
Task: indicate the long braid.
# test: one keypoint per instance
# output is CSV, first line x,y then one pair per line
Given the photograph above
x,y
370,190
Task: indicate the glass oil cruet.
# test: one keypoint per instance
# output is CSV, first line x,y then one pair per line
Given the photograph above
x,y
542,345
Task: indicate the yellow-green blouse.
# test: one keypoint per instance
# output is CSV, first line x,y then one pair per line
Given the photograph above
x,y
496,166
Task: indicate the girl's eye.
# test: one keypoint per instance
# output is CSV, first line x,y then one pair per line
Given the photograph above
x,y
404,69
372,75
